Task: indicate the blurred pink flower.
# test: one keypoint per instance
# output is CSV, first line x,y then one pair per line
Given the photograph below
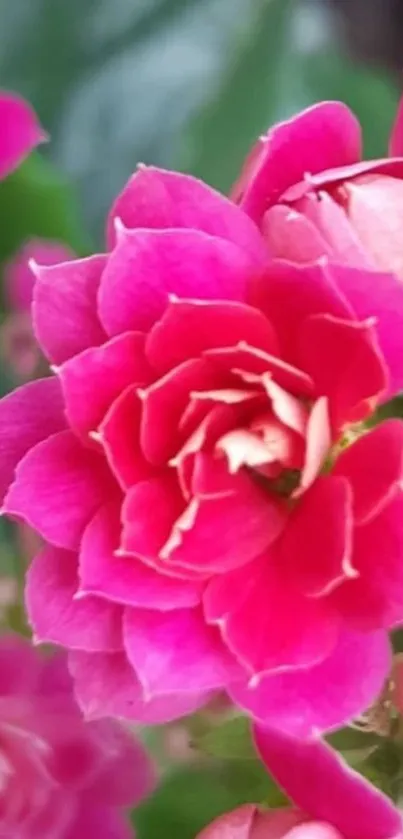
x,y
306,187
332,801
194,468
20,132
19,348
60,778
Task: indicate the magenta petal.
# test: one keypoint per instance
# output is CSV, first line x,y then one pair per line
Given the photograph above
x,y
157,198
58,487
218,533
20,132
290,235
344,361
164,403
374,468
396,137
265,621
372,293
289,293
148,265
375,598
318,780
126,579
332,224
66,294
316,546
176,651
188,327
119,435
106,686
237,824
19,666
99,821
144,533
322,137
305,703
95,377
27,416
89,624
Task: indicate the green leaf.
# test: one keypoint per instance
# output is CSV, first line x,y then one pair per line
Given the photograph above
x,y
230,740
36,201
276,71
191,797
115,81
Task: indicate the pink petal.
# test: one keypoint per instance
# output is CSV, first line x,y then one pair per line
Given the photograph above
x,y
128,774
176,651
58,487
95,377
305,703
374,468
318,780
89,624
316,546
148,265
250,364
100,821
164,403
126,579
20,132
64,309
149,512
321,137
235,825
19,278
290,235
19,666
396,137
119,434
221,532
345,363
188,327
332,224
289,293
157,198
371,294
335,177
318,444
266,622
375,598
27,416
106,686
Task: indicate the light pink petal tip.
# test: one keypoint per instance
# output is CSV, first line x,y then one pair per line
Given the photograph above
x,y
20,132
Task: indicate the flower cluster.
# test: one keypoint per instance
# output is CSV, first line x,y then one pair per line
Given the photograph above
x,y
60,778
217,514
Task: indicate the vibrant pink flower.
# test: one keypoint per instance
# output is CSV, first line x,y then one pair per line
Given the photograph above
x,y
210,522
20,132
19,348
305,185
333,801
61,778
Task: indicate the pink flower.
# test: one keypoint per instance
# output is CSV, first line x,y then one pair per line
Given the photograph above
x,y
214,517
61,778
19,348
333,801
306,187
20,132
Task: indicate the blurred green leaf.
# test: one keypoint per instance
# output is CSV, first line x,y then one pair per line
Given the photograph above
x,y
278,69
115,83
191,797
36,201
230,740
